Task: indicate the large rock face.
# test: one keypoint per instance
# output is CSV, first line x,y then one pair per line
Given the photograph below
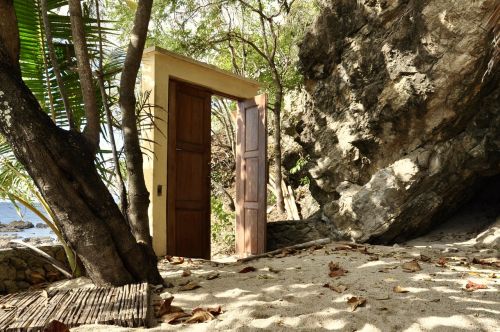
x,y
404,118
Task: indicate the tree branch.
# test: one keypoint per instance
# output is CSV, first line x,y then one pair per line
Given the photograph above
x,y
122,191
92,129
9,37
138,193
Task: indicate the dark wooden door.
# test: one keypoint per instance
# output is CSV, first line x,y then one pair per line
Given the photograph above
x,y
251,177
188,171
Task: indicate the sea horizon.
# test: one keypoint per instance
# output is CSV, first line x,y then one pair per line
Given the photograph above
x,y
9,213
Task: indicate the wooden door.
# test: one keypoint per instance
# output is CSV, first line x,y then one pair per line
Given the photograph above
x,y
251,177
188,171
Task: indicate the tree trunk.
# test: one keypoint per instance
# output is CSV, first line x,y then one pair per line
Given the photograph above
x,y
137,191
280,202
61,163
62,166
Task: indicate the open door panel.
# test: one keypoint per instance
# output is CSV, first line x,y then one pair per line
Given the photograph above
x,y
251,177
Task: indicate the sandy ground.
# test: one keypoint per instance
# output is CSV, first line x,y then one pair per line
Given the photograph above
x,y
287,293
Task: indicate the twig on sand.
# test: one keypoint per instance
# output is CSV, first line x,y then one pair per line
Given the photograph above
x,y
294,247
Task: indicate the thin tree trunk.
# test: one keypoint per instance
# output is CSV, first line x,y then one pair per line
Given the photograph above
x,y
92,129
280,202
122,191
137,191
270,52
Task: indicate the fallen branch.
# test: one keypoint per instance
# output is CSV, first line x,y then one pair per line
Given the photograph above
x,y
51,260
304,245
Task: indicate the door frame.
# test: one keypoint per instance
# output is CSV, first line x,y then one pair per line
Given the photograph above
x,y
157,68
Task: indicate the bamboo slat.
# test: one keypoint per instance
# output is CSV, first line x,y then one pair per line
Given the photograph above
x,y
126,306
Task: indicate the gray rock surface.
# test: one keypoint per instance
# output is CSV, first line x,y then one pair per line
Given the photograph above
x,y
20,269
8,229
20,224
402,120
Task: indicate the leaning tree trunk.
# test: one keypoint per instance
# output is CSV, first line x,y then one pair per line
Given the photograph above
x,y
61,163
63,169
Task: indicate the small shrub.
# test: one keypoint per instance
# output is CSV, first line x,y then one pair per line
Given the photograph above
x,y
223,228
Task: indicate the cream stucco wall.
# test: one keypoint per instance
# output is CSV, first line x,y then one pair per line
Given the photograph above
x,y
158,67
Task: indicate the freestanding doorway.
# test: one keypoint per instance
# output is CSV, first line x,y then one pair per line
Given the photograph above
x,y
177,148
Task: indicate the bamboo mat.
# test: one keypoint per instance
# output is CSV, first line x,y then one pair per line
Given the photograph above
x,y
126,306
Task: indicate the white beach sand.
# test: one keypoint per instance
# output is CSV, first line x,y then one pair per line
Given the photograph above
x,y
293,297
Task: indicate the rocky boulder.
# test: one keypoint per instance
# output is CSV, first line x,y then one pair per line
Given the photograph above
x,y
20,224
402,120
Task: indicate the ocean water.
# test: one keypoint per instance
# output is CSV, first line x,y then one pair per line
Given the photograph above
x,y
9,213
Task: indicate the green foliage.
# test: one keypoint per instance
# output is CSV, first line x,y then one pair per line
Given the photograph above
x,y
304,181
228,34
38,73
299,165
223,227
271,198
35,63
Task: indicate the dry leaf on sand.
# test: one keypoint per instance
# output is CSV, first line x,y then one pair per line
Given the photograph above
x,y
285,252
177,260
165,307
190,286
399,289
424,258
336,270
247,269
213,310
472,286
200,315
186,273
174,317
411,266
336,288
442,261
355,302
212,275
